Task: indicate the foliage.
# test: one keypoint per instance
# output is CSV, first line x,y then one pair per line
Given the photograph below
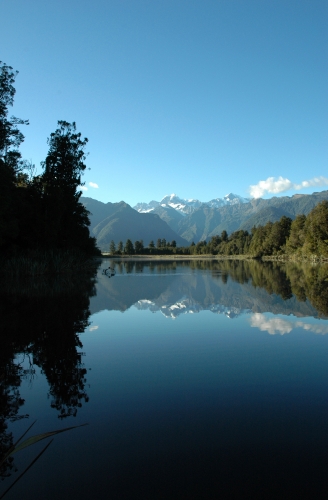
x,y
11,162
306,236
112,247
65,218
128,248
316,231
40,211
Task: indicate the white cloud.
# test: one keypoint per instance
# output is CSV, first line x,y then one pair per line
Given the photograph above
x,y
281,184
282,326
93,185
83,188
92,328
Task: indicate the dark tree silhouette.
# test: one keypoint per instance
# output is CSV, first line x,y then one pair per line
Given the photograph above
x,y
11,162
66,220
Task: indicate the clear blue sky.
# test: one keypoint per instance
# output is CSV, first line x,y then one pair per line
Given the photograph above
x,y
195,97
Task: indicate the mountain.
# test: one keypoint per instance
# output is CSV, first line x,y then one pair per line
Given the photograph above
x,y
119,221
190,220
187,207
236,213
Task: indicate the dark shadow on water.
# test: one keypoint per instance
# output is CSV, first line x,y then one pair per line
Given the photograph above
x,y
42,321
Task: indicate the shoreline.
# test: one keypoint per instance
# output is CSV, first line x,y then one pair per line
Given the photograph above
x,y
265,258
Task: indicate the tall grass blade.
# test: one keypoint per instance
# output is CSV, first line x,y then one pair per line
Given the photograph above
x,y
35,439
12,448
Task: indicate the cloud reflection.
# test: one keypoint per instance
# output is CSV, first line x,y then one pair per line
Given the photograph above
x,y
279,326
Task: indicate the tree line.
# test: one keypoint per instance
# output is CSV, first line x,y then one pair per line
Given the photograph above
x,y
305,236
40,211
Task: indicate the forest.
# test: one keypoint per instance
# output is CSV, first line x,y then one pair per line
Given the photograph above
x,y
304,237
40,213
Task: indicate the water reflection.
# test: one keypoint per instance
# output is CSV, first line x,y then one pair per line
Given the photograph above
x,y
282,326
224,287
41,323
184,402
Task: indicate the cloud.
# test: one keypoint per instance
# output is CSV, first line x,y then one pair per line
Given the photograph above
x,y
83,188
281,326
93,185
281,184
92,328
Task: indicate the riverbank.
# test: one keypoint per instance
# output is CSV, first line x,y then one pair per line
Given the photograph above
x,y
271,258
177,257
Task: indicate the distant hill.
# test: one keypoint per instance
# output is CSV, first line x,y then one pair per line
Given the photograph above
x,y
119,221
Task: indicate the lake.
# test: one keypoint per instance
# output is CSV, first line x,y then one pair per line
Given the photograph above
x,y
197,379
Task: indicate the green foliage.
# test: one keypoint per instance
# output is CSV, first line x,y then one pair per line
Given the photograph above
x,y
296,236
112,247
138,247
316,231
128,248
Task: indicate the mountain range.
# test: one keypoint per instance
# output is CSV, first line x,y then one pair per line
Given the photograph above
x,y
187,207
184,221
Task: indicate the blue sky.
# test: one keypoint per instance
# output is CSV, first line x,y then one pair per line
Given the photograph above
x,y
193,97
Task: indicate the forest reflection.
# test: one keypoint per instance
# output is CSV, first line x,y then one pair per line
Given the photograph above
x,y
41,323
299,288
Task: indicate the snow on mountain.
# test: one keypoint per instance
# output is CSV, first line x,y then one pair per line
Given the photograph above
x,y
146,207
187,207
229,199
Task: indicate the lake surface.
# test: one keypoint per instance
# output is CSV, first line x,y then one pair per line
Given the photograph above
x,y
198,379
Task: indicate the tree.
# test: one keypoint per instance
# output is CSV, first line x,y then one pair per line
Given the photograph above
x,y
66,219
120,246
128,247
296,236
10,136
316,231
224,235
10,158
151,244
159,243
112,247
138,247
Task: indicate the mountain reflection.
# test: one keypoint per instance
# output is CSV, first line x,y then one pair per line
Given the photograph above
x,y
223,287
41,327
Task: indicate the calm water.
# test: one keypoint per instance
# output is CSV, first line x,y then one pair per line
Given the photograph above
x,y
197,380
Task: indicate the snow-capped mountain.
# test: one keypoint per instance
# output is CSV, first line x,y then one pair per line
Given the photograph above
x,y
187,207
